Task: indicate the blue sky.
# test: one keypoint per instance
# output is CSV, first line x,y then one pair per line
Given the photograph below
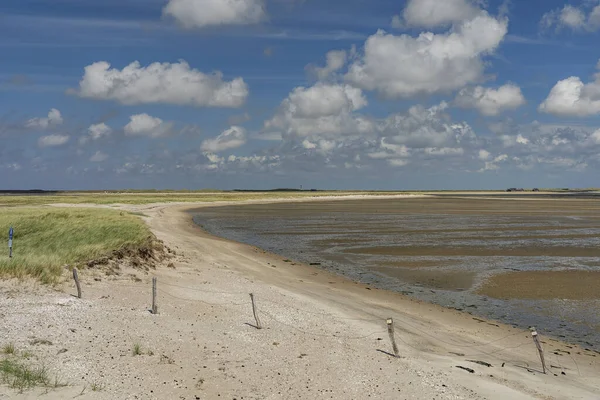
x,y
352,94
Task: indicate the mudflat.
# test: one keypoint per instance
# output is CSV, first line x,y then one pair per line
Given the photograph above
x,y
486,253
571,285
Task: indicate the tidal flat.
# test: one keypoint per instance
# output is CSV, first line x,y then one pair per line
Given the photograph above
x,y
522,260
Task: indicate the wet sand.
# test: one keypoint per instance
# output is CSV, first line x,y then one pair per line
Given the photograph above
x,y
547,285
434,279
460,252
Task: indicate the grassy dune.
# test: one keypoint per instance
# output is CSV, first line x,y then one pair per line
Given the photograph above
x,y
48,238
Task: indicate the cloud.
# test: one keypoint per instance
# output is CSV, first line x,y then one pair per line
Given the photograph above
x,y
595,137
98,131
335,60
444,151
578,19
493,165
146,125
236,163
572,98
484,154
232,138
12,166
99,157
191,14
323,100
424,127
53,140
405,66
435,13
307,144
323,110
165,83
562,148
490,102
54,118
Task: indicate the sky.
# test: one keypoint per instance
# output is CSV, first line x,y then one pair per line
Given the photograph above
x,y
337,94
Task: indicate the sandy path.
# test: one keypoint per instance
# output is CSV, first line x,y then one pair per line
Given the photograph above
x,y
324,336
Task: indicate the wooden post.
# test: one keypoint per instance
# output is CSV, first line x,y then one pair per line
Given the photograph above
x,y
154,305
390,325
536,340
10,240
76,277
255,311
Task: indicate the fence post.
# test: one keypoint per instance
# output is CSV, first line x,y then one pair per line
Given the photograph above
x,y
390,325
536,340
76,278
154,305
10,241
255,311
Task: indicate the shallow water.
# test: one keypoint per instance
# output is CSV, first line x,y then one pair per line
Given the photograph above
x,y
439,250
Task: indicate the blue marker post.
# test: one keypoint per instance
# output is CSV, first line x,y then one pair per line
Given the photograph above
x,y
11,232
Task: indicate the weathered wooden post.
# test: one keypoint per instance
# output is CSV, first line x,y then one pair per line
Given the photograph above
x,y
390,325
76,278
255,311
11,232
536,340
154,304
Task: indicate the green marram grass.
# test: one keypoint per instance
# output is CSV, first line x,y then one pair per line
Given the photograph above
x,y
47,238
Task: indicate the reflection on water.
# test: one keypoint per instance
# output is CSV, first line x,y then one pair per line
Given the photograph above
x,y
438,250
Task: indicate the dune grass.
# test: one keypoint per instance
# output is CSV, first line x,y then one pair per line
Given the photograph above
x,y
45,239
20,376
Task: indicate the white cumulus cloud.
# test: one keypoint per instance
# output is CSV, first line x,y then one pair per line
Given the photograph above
x,y
98,131
53,140
573,98
493,165
232,138
54,118
146,125
404,66
595,137
99,157
484,154
335,60
435,13
205,13
323,110
583,18
489,101
168,83
424,127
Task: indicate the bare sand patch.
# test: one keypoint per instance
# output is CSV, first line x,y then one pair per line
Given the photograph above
x,y
544,285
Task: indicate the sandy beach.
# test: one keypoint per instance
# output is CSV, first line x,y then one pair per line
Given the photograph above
x,y
323,336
